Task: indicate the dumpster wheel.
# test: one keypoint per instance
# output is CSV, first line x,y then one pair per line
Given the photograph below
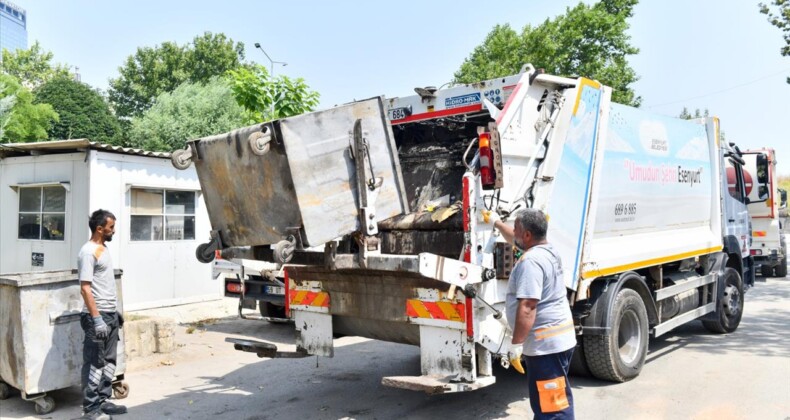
x,y
44,405
120,390
5,390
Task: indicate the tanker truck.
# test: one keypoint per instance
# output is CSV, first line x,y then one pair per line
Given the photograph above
x,y
371,209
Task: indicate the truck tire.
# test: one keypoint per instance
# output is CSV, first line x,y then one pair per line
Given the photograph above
x,y
781,269
619,356
766,270
271,310
729,309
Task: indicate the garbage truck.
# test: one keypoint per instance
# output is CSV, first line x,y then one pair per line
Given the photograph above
x,y
373,208
765,201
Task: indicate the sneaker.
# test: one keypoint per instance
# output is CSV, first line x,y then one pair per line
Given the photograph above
x,y
110,408
95,415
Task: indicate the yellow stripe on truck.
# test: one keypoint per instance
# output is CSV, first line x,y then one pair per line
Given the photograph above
x,y
419,308
647,263
449,311
584,82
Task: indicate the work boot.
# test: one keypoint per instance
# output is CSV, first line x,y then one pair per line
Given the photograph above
x,y
95,415
110,408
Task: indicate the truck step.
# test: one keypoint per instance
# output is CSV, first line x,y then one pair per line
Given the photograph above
x,y
433,385
264,349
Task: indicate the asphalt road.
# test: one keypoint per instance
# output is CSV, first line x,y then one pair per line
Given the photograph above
x,y
689,373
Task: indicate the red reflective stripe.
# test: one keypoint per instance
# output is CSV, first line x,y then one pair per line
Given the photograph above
x,y
470,321
507,105
287,281
466,216
439,114
434,310
309,298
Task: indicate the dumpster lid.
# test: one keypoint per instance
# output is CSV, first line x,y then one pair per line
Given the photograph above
x,y
35,278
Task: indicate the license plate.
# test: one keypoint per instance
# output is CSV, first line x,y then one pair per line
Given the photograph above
x,y
274,290
399,113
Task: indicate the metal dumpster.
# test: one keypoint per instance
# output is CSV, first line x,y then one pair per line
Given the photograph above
x,y
41,338
299,176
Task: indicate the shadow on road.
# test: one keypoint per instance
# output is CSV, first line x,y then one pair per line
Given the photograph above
x,y
758,334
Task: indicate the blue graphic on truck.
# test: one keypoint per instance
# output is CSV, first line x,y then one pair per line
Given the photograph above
x,y
462,100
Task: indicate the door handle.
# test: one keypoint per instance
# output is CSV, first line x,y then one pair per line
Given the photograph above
x,y
731,220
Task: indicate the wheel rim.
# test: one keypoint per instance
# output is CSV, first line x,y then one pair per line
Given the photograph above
x,y
732,301
629,337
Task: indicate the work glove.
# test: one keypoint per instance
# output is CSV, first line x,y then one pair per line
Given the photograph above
x,y
488,217
514,356
100,328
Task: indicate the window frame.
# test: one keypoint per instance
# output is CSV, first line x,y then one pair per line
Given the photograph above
x,y
164,214
41,213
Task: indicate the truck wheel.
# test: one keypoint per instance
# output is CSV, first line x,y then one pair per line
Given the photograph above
x,y
619,356
729,308
781,269
271,310
766,270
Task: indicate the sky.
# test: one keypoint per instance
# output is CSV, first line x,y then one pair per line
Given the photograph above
x,y
719,55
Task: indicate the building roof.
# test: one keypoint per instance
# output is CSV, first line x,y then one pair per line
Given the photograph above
x,y
61,146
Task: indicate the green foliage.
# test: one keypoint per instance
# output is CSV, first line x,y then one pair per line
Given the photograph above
x,y
784,182
781,19
255,90
151,72
6,108
83,112
589,41
26,121
32,66
191,111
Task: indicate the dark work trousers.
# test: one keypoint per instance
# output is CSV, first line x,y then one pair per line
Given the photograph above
x,y
549,390
98,356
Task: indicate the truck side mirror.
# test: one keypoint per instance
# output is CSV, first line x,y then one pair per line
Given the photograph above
x,y
762,169
763,189
783,198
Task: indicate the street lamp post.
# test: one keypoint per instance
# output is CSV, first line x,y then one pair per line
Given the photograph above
x,y
272,63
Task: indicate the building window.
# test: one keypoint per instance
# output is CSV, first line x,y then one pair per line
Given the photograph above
x,y
42,213
158,215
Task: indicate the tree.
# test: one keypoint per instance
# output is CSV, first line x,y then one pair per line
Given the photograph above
x,y
191,111
255,90
6,108
781,19
26,121
686,115
151,72
589,41
32,67
83,112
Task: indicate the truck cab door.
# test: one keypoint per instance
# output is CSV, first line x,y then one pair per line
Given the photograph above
x,y
738,223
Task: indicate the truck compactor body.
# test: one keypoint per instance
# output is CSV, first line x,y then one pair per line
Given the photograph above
x,y
372,209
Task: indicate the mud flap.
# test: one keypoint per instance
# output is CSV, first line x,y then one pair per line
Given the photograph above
x,y
314,332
